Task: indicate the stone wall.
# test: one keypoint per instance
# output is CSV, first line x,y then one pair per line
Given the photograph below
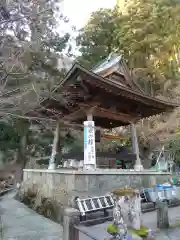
x,y
65,184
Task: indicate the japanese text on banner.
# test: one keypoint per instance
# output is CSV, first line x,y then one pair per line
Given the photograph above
x,y
89,143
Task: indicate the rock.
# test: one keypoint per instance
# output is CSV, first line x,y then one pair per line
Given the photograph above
x,y
162,215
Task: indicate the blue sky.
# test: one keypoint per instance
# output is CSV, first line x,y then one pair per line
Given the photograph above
x,y
78,11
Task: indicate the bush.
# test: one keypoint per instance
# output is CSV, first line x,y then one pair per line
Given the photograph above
x,y
45,206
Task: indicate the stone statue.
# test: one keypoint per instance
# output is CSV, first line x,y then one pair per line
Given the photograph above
x,y
126,214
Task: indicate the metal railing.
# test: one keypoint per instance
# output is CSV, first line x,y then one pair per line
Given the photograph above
x,y
94,204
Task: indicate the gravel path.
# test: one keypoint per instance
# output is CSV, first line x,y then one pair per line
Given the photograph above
x,y
21,223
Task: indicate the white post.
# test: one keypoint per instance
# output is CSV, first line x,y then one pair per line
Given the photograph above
x,y
52,164
89,144
135,148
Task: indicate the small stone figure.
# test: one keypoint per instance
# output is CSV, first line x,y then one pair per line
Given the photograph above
x,y
121,215
126,215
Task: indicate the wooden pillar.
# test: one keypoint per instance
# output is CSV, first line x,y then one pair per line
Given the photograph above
x,y
135,148
89,116
52,164
89,142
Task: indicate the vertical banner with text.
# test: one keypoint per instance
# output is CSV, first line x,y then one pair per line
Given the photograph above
x,y
89,143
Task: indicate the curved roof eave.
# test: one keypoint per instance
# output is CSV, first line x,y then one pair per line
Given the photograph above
x,y
77,67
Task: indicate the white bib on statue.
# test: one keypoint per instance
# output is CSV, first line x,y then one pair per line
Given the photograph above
x,y
136,212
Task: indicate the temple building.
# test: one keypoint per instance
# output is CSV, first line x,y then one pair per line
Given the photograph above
x,y
106,96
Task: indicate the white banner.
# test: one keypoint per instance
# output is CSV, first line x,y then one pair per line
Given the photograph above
x,y
89,143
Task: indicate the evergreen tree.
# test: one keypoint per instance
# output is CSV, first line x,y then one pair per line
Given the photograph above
x,y
146,33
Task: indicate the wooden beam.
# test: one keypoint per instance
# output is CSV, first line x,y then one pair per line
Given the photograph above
x,y
109,114
113,137
133,108
78,114
126,118
118,103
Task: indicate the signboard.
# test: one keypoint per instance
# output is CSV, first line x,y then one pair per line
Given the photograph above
x,y
89,143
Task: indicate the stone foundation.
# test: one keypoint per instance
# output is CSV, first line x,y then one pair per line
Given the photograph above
x,y
63,185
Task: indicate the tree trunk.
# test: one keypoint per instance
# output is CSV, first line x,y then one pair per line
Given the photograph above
x,y
21,156
145,157
146,148
54,148
22,150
